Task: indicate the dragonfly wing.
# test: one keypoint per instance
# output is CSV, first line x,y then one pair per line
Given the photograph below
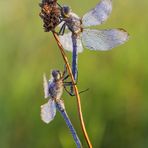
x,y
104,39
48,111
67,44
79,44
98,15
45,86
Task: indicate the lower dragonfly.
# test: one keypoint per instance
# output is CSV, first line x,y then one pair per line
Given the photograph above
x,y
92,39
54,89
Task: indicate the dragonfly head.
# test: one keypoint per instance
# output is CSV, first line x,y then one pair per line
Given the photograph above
x,y
56,74
66,11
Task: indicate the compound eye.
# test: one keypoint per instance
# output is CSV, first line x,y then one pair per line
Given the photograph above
x,y
66,10
59,74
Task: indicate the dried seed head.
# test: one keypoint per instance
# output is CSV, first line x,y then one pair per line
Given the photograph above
x,y
50,13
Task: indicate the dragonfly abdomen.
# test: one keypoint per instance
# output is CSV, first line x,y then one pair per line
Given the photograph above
x,y
74,56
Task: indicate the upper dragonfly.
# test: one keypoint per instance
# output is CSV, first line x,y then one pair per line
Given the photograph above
x,y
91,39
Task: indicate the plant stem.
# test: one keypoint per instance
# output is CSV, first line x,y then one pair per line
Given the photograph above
x,y
75,90
62,110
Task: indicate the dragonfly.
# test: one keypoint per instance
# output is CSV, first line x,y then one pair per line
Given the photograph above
x,y
53,89
51,14
80,35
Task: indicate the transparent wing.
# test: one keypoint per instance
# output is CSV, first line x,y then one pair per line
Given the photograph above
x,y
45,86
98,15
104,39
48,111
66,41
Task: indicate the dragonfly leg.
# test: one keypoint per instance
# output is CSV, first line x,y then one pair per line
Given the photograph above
x,y
72,94
62,30
68,92
76,81
65,71
66,77
83,91
68,84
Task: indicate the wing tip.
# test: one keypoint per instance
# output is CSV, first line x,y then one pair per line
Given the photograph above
x,y
108,1
45,85
44,77
42,118
121,29
42,114
47,111
125,32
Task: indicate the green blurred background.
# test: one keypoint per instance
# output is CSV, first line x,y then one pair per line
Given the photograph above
x,y
115,108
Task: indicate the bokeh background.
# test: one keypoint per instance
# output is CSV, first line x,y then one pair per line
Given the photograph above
x,y
115,108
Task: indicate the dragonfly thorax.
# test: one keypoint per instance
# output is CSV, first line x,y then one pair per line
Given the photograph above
x,y
56,85
55,89
71,19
